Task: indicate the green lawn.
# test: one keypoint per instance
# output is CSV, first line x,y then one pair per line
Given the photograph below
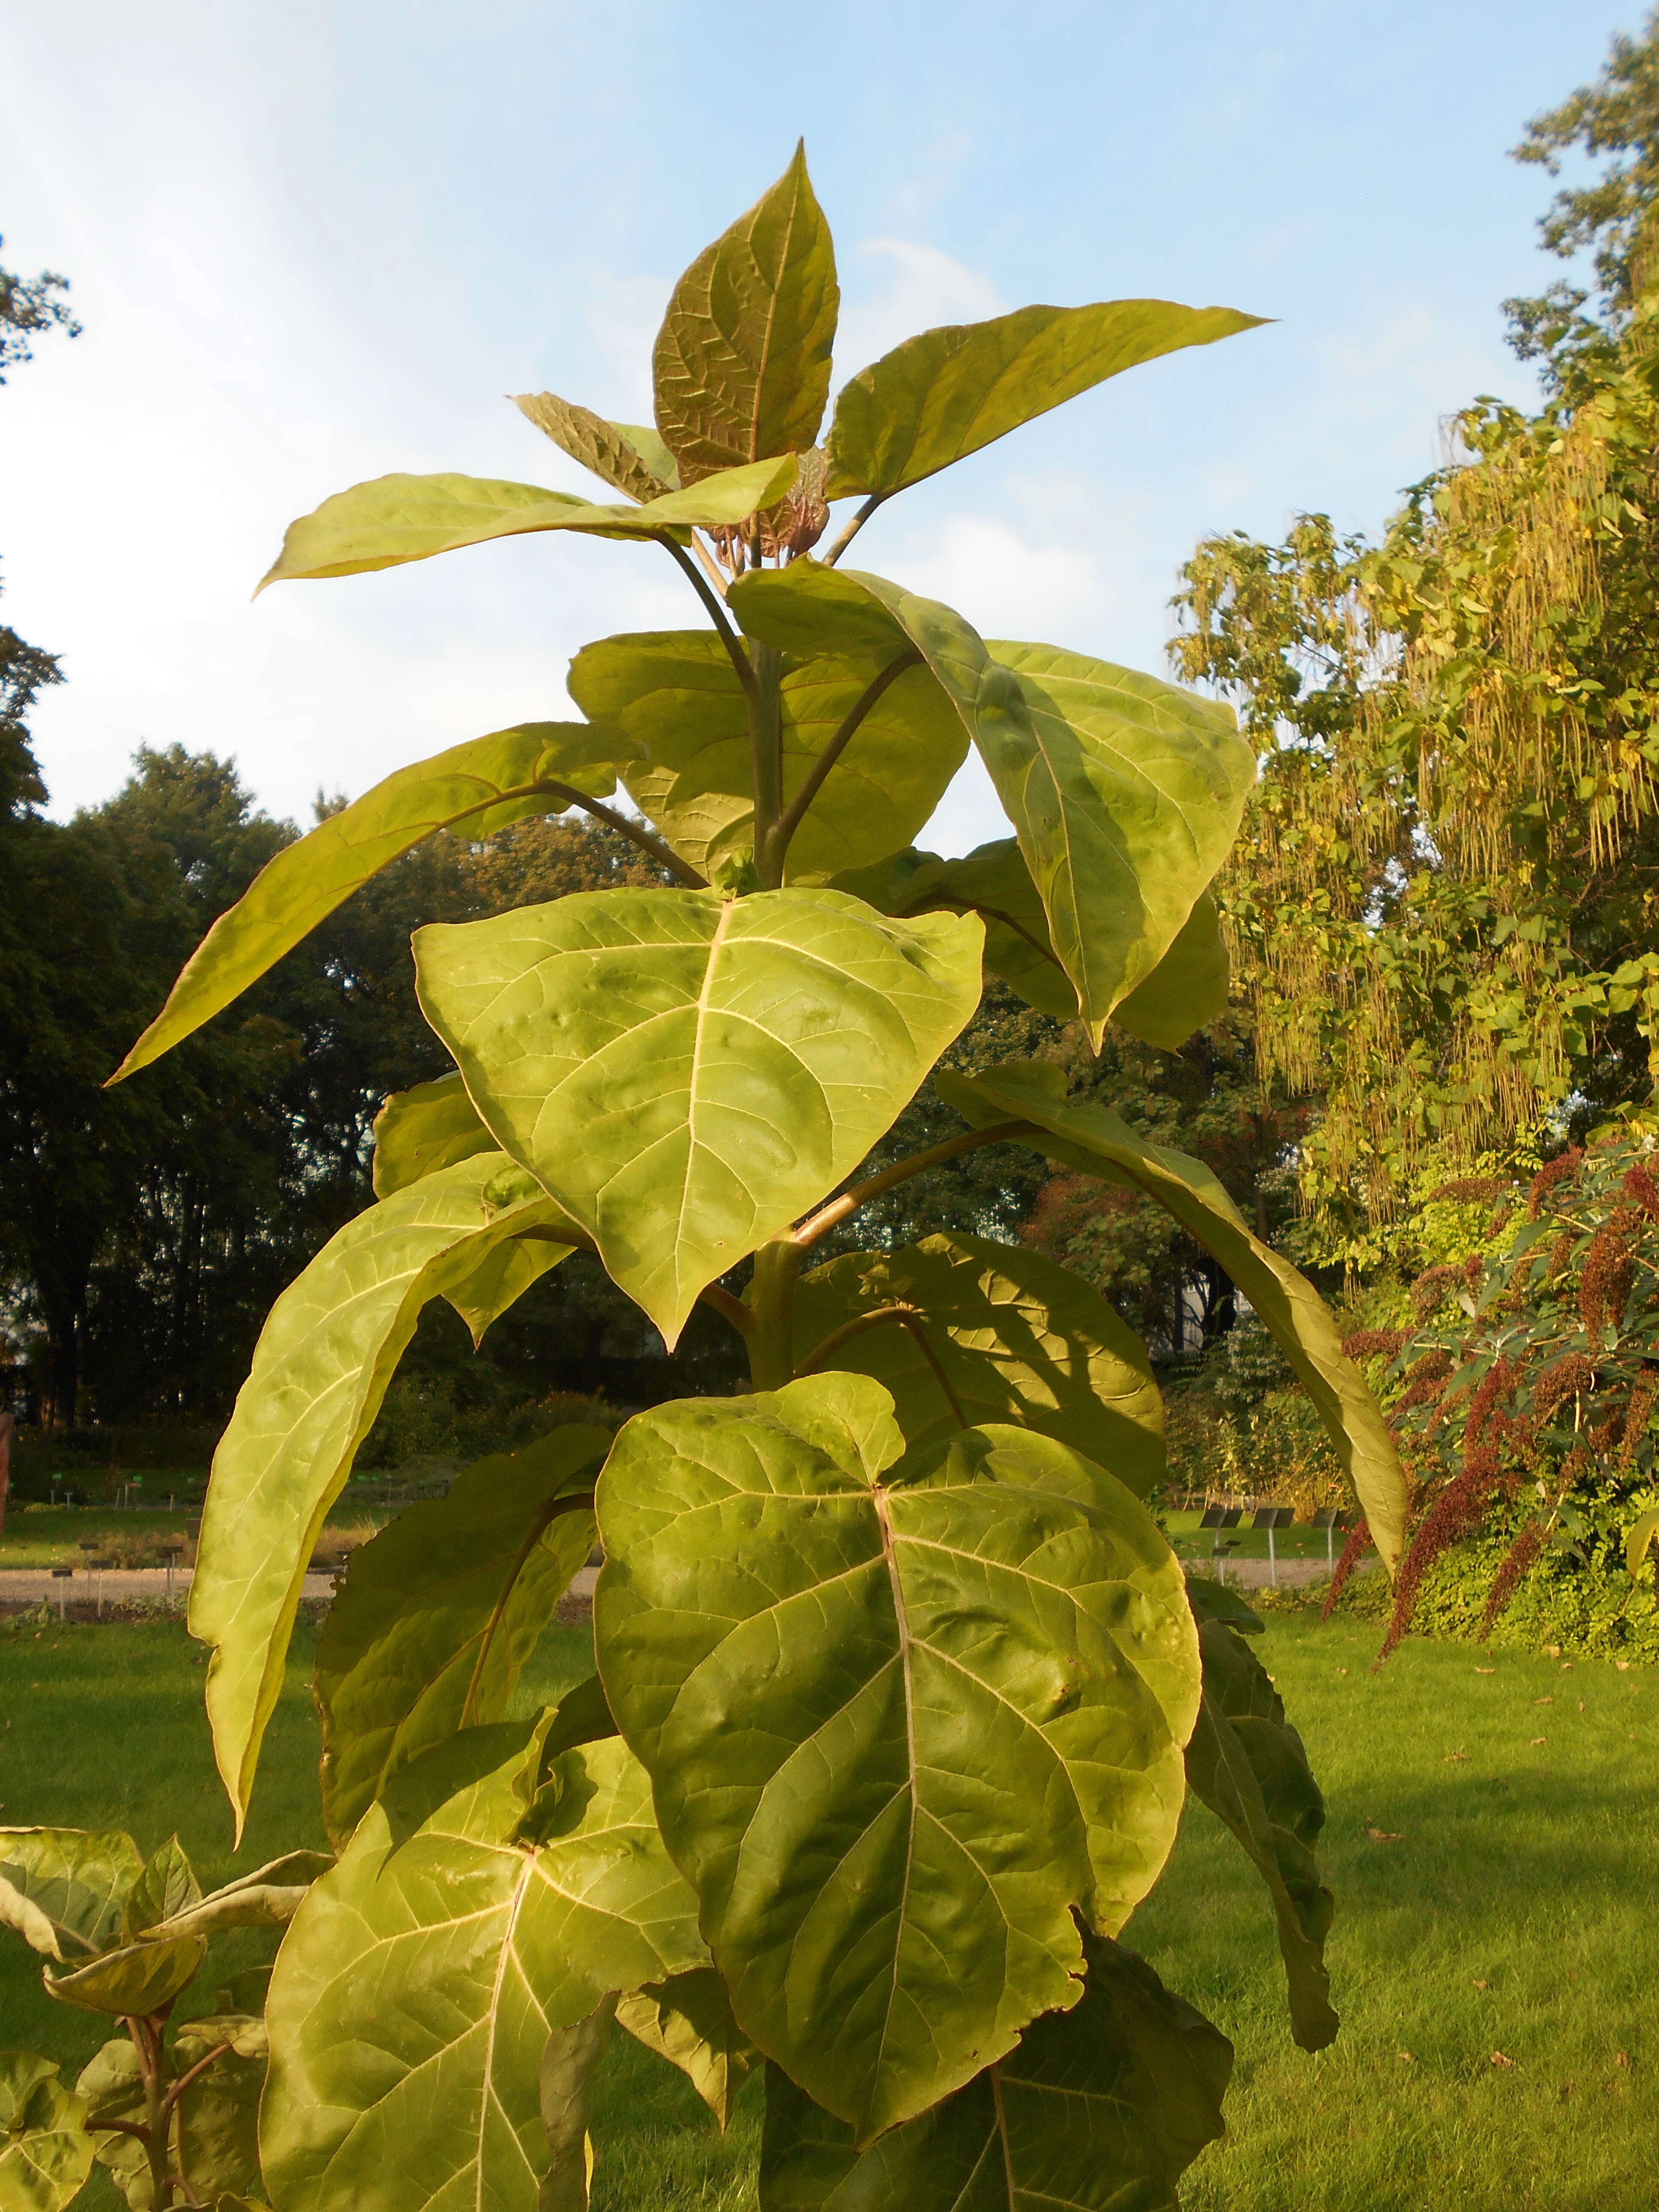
x,y
54,1535
1512,1909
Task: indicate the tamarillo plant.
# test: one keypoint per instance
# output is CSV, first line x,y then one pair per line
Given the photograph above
x,y
170,2106
898,1686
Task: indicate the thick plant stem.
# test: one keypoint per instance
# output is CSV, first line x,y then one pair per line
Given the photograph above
x,y
771,1337
146,2035
766,744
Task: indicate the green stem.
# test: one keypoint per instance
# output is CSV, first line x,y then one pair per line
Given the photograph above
x,y
772,1308
158,2112
765,762
809,1231
854,526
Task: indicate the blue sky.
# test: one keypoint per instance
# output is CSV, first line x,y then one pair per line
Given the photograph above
x,y
316,243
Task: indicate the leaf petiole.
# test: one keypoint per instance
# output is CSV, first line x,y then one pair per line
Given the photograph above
x,y
807,1233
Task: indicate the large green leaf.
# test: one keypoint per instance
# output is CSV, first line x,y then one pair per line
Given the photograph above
x,y
63,1889
1100,2109
686,1073
217,2117
419,1131
478,1907
483,784
46,2153
991,1332
899,1728
1098,1142
1126,795
597,445
136,1979
393,520
947,392
1249,1765
741,366
437,1615
688,2020
324,1357
673,698
1188,988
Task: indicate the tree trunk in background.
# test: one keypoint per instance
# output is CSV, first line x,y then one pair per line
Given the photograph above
x,y
6,1429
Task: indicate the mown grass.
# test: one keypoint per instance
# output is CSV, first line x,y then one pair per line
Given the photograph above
x,y
1508,1905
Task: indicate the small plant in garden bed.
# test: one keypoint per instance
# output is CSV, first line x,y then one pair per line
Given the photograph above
x,y
169,2107
899,1687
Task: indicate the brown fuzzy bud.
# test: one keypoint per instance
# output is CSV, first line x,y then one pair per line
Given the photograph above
x,y
1516,1560
1367,1343
1547,1178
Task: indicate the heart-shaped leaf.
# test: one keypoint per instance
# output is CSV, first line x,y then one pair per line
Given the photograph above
x,y
597,445
1249,1765
900,1727
1098,1142
1125,793
63,1889
391,520
478,1907
419,1131
1100,2109
483,785
977,1332
688,2020
687,1073
325,1354
137,1979
438,1614
1187,990
944,393
1126,796
46,2153
673,698
741,365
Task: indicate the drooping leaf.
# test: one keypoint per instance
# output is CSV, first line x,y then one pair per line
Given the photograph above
x,y
393,520
136,1978
1247,1764
167,1886
568,2061
899,1726
1098,1142
686,1073
484,784
1100,2109
1187,990
688,2020
1644,1531
418,1132
991,1332
1126,796
1125,793
597,445
63,1889
324,1357
673,698
947,392
437,1615
46,2154
217,2117
268,1897
741,366
478,1907
502,1277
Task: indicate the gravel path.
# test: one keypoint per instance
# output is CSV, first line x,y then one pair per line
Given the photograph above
x,y
123,1585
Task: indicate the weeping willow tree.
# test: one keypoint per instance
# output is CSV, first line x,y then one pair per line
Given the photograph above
x,y
1441,911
